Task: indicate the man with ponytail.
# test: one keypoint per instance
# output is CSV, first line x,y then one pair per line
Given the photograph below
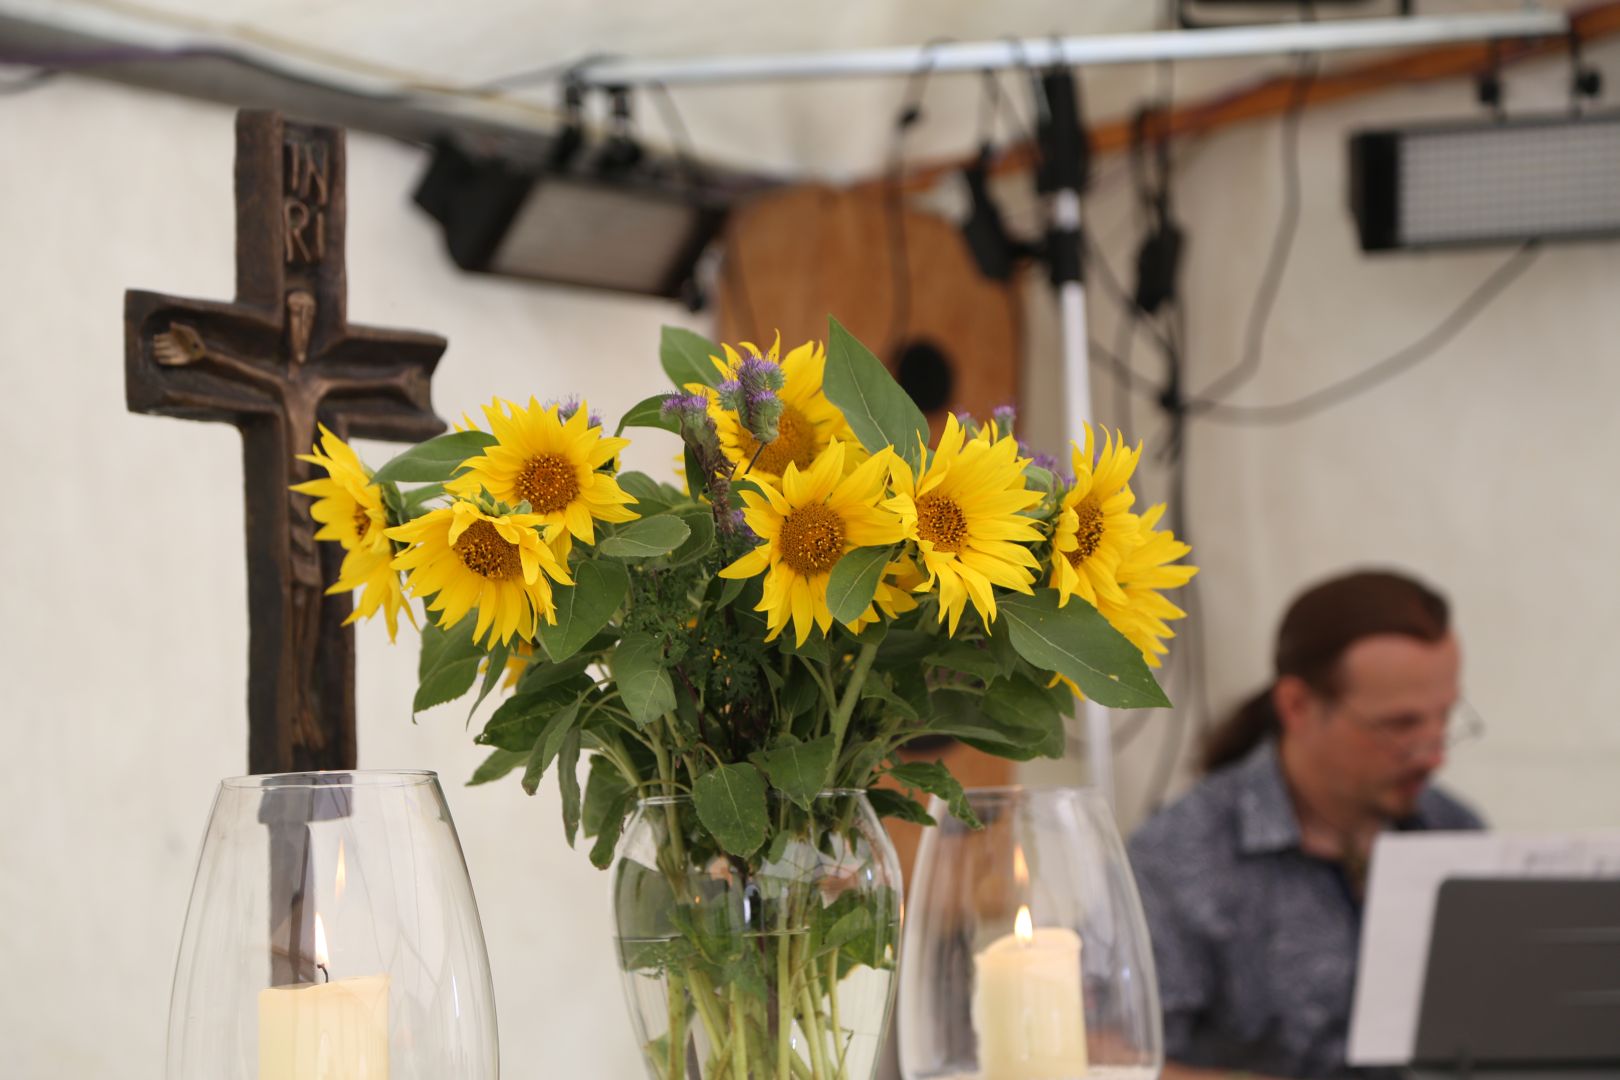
x,y
1253,882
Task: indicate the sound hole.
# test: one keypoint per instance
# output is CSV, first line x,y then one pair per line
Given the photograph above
x,y
924,372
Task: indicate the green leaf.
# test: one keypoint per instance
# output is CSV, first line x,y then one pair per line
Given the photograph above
x,y
435,460
1026,714
701,524
583,609
936,779
1077,642
657,535
879,412
607,836
874,690
730,802
448,665
968,658
498,765
492,675
416,499
959,715
847,929
604,786
854,581
648,413
524,715
800,770
905,649
889,803
685,357
651,496
568,781
644,684
729,592
548,744
815,647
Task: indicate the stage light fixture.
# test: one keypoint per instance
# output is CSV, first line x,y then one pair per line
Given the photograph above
x,y
1494,182
611,217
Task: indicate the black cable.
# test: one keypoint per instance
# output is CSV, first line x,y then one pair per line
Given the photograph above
x,y
1396,363
680,135
1282,245
910,113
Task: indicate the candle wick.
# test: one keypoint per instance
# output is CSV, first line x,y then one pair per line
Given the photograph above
x,y
323,971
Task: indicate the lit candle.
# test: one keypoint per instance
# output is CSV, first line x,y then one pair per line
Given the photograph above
x,y
336,1030
1027,1009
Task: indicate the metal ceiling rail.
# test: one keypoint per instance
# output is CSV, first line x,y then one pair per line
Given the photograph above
x,y
1342,35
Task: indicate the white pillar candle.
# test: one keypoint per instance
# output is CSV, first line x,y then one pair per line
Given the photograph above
x,y
1027,1008
325,1031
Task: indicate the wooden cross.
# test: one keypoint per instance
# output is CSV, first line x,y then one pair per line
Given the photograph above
x,y
276,362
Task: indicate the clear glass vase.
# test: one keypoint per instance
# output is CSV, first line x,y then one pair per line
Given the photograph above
x,y
780,966
332,932
1026,952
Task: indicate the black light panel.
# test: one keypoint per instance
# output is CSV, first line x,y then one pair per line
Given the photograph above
x,y
1498,182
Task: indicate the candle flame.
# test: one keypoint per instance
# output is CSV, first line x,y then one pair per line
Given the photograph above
x,y
341,880
1020,867
322,958
1023,926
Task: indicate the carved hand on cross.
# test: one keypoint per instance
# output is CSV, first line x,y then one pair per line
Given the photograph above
x,y
178,345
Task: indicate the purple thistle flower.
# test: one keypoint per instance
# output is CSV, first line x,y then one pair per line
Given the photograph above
x,y
1047,462
567,407
676,404
1004,416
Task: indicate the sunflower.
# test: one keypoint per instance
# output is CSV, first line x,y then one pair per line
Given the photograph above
x,y
964,513
811,521
1145,570
553,464
894,595
808,424
465,558
1095,526
349,508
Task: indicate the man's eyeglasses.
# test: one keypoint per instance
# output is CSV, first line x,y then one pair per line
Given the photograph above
x,y
1412,735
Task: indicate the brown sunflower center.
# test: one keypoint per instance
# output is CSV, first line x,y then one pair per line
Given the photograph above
x,y
486,552
362,523
795,443
812,539
941,522
547,483
1088,533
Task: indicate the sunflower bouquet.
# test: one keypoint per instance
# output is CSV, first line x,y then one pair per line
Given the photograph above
x,y
744,657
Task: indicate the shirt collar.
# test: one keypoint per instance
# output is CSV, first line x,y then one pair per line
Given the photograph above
x,y
1266,819
1267,823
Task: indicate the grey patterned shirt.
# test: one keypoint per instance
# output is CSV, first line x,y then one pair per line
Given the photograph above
x,y
1254,940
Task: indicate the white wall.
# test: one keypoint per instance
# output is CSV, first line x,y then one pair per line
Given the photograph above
x,y
123,648
124,643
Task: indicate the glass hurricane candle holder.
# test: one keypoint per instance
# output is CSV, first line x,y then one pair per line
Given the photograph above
x,y
332,932
1026,954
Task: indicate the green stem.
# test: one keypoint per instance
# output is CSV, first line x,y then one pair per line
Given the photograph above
x,y
784,999
839,1042
677,1028
739,1038
852,694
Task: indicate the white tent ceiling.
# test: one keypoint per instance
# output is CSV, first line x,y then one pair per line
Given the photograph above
x,y
827,129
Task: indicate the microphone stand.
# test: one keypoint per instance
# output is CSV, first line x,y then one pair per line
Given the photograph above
x,y
1064,171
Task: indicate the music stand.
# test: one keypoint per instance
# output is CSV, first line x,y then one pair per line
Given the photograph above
x,y
1523,981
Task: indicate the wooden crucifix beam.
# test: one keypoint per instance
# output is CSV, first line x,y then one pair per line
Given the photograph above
x,y
279,360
